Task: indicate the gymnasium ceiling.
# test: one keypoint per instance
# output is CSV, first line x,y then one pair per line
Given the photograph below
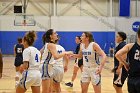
x,y
44,7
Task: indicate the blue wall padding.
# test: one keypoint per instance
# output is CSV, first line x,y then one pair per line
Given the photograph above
x,y
124,8
67,39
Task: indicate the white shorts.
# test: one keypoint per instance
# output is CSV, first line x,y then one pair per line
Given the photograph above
x,y
89,74
46,71
58,72
30,78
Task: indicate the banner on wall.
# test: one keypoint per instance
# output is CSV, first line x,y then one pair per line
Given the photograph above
x,y
136,26
124,8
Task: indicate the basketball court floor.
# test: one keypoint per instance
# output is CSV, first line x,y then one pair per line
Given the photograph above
x,y
7,84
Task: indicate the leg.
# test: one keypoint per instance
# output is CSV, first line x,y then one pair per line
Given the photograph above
x,y
35,89
75,70
137,84
81,68
84,86
45,86
97,88
131,86
17,75
56,87
117,82
118,89
20,90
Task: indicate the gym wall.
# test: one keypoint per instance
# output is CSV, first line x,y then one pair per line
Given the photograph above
x,y
103,29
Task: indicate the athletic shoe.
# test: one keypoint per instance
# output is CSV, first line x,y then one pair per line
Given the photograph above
x,y
69,84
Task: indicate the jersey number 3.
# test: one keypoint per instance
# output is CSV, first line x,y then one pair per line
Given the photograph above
x,y
36,58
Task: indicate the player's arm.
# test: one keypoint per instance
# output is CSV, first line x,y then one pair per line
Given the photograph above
x,y
52,48
79,55
25,64
97,48
42,49
14,50
124,58
26,57
66,62
120,54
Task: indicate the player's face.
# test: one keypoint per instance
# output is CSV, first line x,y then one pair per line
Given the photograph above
x,y
54,36
83,38
118,38
77,40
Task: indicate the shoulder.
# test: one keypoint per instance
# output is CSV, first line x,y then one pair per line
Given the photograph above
x,y
94,44
129,46
26,50
122,44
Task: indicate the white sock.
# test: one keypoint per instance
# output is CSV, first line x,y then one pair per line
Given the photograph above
x,y
71,82
17,74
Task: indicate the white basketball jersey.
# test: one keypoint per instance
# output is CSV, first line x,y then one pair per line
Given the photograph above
x,y
59,62
47,56
32,55
88,55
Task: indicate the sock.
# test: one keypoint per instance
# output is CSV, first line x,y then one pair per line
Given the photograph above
x,y
17,74
71,82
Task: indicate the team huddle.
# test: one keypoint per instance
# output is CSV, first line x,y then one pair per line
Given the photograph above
x,y
46,67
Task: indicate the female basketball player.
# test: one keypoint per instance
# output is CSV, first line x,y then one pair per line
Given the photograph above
x,y
118,80
91,70
18,49
78,62
58,69
49,55
132,50
31,61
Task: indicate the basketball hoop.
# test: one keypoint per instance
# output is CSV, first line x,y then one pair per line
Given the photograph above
x,y
24,20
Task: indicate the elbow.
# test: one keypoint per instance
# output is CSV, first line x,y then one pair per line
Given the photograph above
x,y
56,57
116,55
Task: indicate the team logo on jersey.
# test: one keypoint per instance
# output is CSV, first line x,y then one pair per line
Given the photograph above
x,y
135,26
59,51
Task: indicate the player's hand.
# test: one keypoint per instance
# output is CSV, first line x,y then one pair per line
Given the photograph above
x,y
98,70
126,66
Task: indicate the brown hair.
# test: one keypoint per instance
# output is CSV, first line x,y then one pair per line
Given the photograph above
x,y
30,37
89,35
47,36
19,40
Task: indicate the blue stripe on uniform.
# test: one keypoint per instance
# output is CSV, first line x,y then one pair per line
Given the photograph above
x,y
47,70
46,62
25,80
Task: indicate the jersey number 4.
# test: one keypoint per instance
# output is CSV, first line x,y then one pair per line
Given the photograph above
x,y
36,58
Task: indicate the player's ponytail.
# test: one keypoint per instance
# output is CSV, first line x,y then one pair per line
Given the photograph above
x,y
30,37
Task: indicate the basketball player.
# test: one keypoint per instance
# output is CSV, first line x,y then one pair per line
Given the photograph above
x,y
91,70
78,62
31,77
58,69
18,49
49,55
1,64
118,80
133,67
